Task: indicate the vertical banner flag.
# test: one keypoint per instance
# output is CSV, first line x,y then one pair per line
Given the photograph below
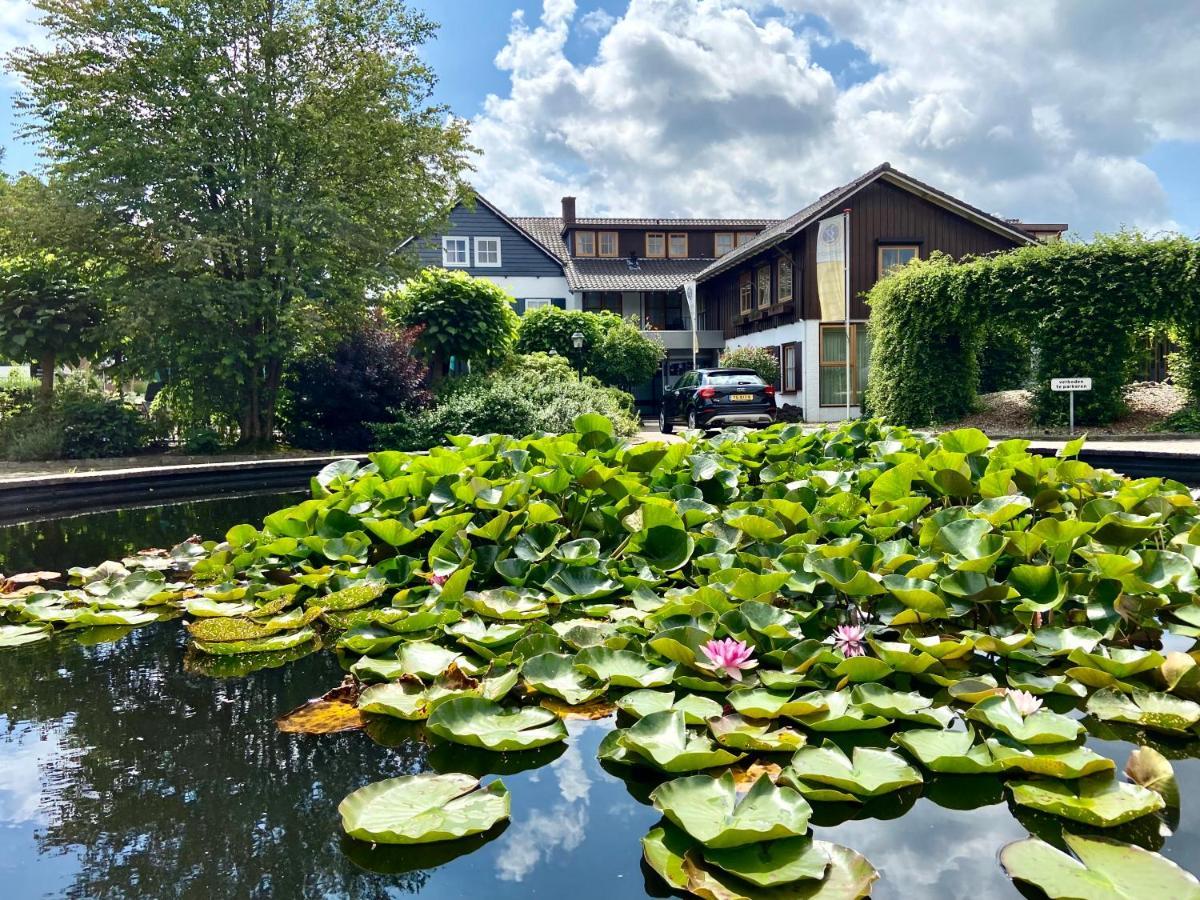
x,y
689,293
831,268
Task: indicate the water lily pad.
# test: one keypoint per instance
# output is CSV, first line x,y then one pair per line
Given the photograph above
x,y
1101,869
483,723
1042,727
841,714
868,773
1119,662
662,739
1158,712
1150,769
1100,800
421,809
878,700
555,674
779,862
1053,760
17,635
696,709
1045,684
849,876
758,703
739,733
715,814
506,604
623,668
260,645
951,752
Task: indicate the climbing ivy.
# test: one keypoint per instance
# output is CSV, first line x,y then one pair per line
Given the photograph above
x,y
1078,303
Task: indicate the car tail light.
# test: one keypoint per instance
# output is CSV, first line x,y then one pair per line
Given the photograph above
x,y
706,393
769,390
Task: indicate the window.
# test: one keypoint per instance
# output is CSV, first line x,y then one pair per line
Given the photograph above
x,y
656,245
763,286
896,256
585,243
743,236
456,251
722,243
602,301
487,252
678,246
833,363
785,280
789,368
537,303
745,293
608,244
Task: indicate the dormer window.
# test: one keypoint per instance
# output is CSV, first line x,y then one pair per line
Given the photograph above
x,y
746,236
656,245
456,252
585,243
677,245
608,244
723,242
487,252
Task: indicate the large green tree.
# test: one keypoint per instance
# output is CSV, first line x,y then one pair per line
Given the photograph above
x,y
255,164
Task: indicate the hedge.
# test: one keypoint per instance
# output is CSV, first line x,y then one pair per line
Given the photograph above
x,y
1079,304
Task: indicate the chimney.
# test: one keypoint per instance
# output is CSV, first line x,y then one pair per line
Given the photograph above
x,y
568,211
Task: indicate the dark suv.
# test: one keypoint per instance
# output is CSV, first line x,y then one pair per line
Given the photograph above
x,y
712,398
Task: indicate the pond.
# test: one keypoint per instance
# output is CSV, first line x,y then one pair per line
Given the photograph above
x,y
126,769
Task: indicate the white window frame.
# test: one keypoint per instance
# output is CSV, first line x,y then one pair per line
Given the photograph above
x,y
537,303
466,251
479,263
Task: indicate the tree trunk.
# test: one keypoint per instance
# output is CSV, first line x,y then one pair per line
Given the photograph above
x,y
47,394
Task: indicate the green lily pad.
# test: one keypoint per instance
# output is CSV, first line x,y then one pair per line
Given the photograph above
x,y
623,668
1119,662
662,739
483,723
773,863
16,635
841,714
878,700
1100,800
758,703
713,812
738,733
506,604
283,641
1043,727
868,773
1158,712
696,709
1053,760
1101,869
950,752
555,674
421,809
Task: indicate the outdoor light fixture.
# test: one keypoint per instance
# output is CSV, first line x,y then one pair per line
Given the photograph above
x,y
577,340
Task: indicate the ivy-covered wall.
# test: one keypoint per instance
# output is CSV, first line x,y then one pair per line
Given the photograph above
x,y
1078,303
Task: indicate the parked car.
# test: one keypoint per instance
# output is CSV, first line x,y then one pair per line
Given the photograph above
x,y
712,398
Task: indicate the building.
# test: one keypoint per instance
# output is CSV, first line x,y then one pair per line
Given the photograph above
x,y
755,278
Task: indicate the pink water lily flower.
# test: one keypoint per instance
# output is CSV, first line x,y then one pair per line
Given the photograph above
x,y
849,639
437,580
729,657
1026,703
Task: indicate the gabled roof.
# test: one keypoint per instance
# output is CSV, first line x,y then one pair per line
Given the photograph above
x,y
828,203
512,223
596,274
622,222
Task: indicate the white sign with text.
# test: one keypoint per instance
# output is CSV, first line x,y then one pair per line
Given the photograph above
x,y
1070,384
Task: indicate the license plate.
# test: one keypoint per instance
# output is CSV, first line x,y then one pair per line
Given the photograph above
x,y
741,397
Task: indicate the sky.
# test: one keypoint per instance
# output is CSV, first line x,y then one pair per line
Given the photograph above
x,y
1078,111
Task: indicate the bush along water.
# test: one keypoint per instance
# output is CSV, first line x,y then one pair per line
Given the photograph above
x,y
740,601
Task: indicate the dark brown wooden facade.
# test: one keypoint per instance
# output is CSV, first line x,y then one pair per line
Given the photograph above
x,y
881,214
632,240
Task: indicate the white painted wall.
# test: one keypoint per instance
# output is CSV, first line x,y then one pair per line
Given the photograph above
x,y
808,398
534,287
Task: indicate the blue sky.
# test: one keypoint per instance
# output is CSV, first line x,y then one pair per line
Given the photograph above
x,y
1055,110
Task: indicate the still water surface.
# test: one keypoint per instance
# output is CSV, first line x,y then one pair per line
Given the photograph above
x,y
126,770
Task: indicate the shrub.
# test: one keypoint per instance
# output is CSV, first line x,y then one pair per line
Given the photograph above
x,y
469,319
1005,359
550,329
31,436
332,401
94,427
760,359
18,394
625,357
535,392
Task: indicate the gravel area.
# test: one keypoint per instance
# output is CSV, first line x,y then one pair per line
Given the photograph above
x,y
1011,412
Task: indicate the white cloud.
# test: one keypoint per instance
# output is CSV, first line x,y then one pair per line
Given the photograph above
x,y
716,107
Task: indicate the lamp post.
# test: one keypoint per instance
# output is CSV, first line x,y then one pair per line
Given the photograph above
x,y
577,342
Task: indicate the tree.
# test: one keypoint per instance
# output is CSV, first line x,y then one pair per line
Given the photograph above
x,y
47,312
469,319
550,330
256,164
625,356
760,359
331,401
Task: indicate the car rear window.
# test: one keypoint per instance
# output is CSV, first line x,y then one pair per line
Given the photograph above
x,y
733,378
